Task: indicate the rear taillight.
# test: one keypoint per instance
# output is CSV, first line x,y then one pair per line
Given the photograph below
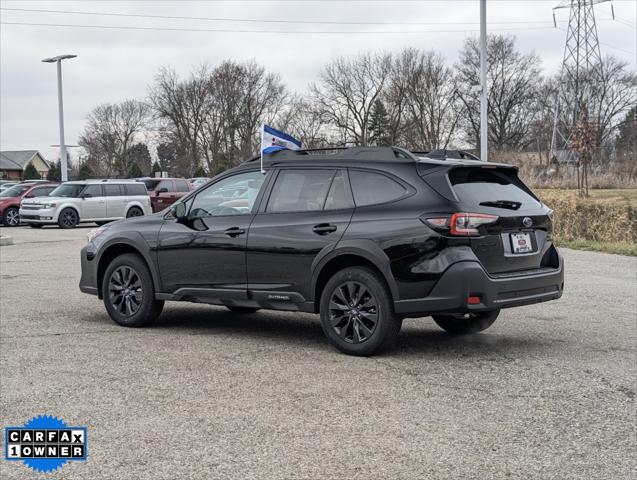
x,y
461,224
467,224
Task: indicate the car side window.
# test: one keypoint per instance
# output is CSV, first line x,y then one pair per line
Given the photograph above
x,y
371,188
41,191
135,189
233,195
299,191
92,191
167,184
339,196
112,190
182,186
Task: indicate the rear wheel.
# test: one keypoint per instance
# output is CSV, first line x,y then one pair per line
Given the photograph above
x,y
234,309
462,324
134,212
356,312
10,217
129,294
68,218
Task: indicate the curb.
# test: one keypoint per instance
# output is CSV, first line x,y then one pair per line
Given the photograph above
x,y
4,241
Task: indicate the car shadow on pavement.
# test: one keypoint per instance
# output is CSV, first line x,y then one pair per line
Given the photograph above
x,y
419,337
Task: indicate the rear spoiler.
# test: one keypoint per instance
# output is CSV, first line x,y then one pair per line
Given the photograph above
x,y
437,176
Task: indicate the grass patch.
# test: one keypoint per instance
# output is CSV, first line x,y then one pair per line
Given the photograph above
x,y
601,196
619,248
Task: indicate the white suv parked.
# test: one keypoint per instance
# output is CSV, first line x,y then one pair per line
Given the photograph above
x,y
98,201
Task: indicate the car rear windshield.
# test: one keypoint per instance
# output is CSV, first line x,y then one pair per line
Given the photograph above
x,y
480,186
71,190
15,191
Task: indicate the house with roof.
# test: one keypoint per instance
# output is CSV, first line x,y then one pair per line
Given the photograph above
x,y
13,163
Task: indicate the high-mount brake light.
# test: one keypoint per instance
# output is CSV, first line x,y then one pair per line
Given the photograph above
x,y
466,224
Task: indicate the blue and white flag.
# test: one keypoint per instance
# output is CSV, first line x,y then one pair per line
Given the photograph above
x,y
272,140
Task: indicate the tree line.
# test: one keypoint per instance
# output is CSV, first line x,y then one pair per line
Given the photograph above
x,y
210,120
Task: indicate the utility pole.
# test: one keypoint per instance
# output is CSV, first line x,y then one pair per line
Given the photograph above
x,y
484,128
63,159
580,74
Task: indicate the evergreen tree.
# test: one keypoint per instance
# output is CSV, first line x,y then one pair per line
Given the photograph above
x,y
167,153
85,171
379,125
627,138
199,172
156,168
30,173
139,154
134,171
55,172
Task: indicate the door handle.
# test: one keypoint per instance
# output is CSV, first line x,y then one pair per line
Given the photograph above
x,y
324,228
234,231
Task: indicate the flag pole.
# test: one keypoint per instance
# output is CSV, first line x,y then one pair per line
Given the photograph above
x,y
261,148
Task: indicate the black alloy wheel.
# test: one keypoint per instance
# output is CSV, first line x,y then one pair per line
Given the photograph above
x,y
353,312
68,218
134,212
125,291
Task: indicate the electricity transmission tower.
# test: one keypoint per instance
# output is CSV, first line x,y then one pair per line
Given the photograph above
x,y
580,76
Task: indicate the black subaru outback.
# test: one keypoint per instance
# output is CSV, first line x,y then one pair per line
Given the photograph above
x,y
363,236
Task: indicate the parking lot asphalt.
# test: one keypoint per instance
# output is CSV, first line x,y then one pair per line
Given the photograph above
x,y
547,392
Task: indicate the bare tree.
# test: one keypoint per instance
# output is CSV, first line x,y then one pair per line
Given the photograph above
x,y
347,90
514,85
110,132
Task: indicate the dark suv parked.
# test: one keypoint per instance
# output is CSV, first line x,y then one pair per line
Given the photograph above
x,y
365,237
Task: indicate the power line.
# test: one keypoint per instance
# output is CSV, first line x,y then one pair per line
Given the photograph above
x,y
262,20
228,30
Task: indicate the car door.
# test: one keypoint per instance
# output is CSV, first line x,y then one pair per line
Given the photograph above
x,y
205,253
115,200
164,195
307,212
93,204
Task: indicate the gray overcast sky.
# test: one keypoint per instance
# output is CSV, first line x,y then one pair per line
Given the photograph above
x,y
114,65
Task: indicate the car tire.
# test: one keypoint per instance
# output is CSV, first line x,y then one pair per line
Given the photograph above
x,y
136,306
35,225
357,314
234,309
68,218
464,324
134,212
10,217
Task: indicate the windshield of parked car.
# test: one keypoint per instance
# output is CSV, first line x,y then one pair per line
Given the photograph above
x,y
67,190
151,183
15,191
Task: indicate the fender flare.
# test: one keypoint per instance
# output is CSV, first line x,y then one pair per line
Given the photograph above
x,y
366,249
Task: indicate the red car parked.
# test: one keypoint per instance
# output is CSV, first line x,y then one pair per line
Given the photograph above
x,y
11,197
165,191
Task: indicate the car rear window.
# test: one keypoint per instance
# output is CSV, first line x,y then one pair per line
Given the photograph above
x,y
112,190
135,189
371,188
475,186
182,186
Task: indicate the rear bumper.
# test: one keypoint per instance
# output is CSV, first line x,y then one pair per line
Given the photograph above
x,y
468,279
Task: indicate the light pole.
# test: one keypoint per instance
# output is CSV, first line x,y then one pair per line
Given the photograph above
x,y
63,164
484,131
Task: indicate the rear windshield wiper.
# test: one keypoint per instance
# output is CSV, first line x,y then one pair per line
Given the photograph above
x,y
510,204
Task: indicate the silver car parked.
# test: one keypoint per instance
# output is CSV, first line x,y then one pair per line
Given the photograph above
x,y
98,201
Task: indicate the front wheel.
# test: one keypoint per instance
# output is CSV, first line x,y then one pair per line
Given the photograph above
x,y
356,312
10,217
129,294
462,324
68,218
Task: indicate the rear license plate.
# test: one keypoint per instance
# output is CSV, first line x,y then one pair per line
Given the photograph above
x,y
521,242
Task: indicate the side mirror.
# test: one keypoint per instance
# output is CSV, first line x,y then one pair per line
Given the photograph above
x,y
86,195
161,190
179,210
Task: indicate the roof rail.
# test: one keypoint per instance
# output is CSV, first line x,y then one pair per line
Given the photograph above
x,y
369,153
444,154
